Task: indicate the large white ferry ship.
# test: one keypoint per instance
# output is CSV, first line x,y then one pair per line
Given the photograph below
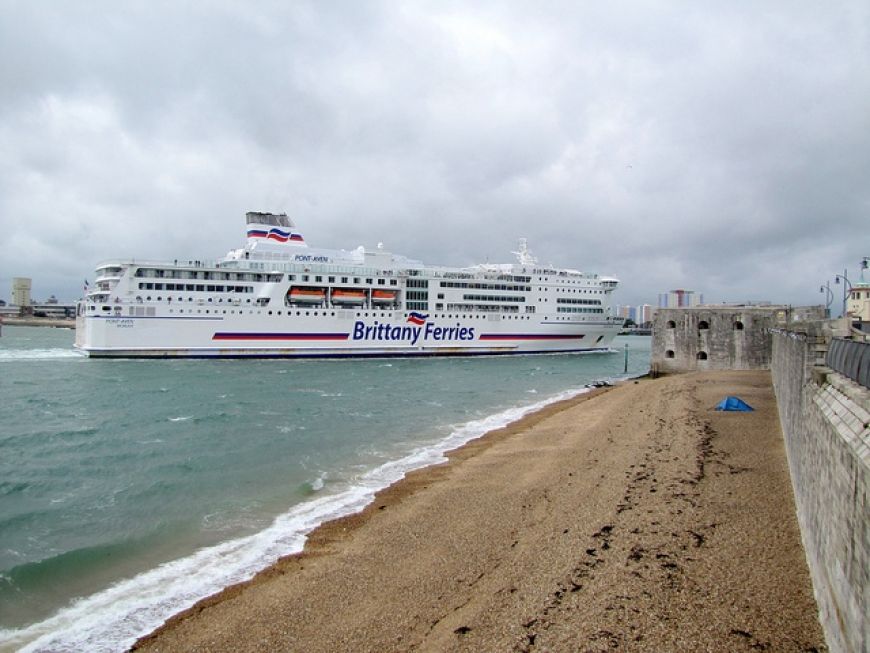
x,y
278,297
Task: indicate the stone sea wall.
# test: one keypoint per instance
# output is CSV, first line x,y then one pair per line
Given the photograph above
x,y
825,420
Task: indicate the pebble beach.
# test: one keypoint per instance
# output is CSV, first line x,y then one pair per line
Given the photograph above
x,y
633,518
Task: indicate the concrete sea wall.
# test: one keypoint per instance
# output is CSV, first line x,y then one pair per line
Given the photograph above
x,y
825,420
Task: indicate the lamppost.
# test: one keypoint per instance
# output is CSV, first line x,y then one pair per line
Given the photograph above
x,y
846,291
829,297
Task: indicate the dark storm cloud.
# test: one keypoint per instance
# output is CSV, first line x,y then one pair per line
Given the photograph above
x,y
723,149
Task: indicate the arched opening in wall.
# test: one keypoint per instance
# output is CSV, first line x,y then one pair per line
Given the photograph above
x,y
702,355
738,326
669,353
672,324
702,325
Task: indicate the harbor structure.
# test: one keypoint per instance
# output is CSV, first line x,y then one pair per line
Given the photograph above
x,y
720,337
821,374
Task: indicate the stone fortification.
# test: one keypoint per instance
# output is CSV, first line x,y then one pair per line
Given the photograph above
x,y
825,418
719,337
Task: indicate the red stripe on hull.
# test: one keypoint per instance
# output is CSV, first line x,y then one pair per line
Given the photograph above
x,y
524,336
280,336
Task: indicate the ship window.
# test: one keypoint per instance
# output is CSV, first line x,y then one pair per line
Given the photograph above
x,y
356,279
331,279
304,277
369,281
344,279
393,282
291,277
318,278
381,282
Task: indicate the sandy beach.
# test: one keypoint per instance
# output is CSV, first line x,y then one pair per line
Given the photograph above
x,y
631,519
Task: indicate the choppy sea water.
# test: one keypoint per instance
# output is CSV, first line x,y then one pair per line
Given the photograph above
x,y
131,489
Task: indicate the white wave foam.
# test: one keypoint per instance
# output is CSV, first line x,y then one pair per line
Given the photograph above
x,y
113,619
37,354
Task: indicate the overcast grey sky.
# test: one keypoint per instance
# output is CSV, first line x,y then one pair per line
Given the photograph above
x,y
717,146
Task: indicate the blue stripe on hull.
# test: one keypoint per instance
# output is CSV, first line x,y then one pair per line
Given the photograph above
x,y
542,352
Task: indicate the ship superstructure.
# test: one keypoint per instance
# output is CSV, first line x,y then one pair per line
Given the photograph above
x,y
278,297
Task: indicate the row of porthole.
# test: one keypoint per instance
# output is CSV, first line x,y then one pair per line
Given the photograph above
x,y
702,325
332,314
702,355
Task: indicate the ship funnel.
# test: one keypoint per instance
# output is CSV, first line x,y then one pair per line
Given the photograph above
x,y
266,230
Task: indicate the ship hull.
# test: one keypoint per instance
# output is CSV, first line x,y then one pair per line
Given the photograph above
x,y
381,335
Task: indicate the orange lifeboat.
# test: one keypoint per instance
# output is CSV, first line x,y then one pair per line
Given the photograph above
x,y
383,296
302,295
348,296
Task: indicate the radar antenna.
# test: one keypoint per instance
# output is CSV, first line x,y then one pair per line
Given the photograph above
x,y
524,256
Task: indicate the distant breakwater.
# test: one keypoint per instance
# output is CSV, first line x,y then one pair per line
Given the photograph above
x,y
38,322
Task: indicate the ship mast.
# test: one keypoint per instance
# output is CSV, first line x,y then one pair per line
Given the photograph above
x,y
524,256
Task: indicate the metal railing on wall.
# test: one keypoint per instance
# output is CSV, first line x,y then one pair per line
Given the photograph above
x,y
851,359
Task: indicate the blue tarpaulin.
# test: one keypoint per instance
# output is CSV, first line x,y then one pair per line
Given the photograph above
x,y
734,403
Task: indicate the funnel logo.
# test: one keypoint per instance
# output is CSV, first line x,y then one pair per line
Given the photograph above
x,y
275,234
417,318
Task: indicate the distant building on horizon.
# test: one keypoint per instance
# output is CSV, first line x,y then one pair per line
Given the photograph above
x,y
21,291
640,314
644,314
680,299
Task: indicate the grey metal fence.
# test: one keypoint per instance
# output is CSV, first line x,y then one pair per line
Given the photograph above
x,y
850,358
